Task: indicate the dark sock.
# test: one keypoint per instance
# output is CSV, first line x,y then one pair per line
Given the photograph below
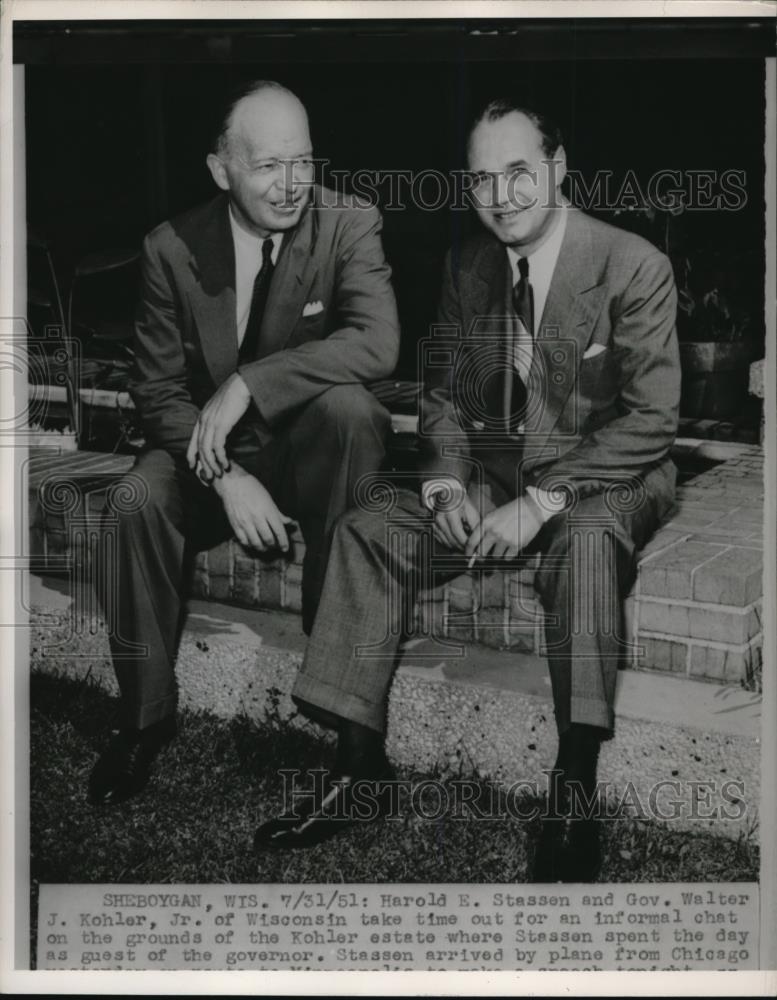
x,y
359,749
162,730
578,751
578,755
320,715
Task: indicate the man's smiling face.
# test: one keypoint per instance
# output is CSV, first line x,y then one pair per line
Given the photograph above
x,y
517,192
267,167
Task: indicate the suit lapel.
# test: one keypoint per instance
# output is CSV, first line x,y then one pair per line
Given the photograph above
x,y
487,292
571,308
291,280
214,308
488,335
213,265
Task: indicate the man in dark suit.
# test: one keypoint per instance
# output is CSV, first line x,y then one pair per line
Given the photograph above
x,y
550,406
262,315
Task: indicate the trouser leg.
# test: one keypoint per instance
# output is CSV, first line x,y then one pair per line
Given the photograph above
x,y
311,467
376,564
587,569
316,463
139,576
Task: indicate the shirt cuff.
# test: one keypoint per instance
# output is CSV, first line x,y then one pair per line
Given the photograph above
x,y
548,502
452,489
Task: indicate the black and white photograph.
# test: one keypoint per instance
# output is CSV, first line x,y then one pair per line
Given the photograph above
x,y
389,459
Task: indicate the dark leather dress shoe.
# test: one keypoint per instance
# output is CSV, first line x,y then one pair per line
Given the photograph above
x,y
568,851
343,801
124,767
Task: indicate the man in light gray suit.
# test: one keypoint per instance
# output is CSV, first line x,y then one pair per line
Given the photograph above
x,y
549,412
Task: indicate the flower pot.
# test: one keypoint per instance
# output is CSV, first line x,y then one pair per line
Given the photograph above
x,y
714,379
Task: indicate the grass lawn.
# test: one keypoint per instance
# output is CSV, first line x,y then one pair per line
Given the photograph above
x,y
218,780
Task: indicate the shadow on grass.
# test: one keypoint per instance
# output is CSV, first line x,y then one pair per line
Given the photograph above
x,y
219,779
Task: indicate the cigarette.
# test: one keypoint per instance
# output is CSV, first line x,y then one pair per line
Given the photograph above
x,y
472,559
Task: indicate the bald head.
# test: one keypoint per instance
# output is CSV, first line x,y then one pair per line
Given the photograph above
x,y
265,109
264,158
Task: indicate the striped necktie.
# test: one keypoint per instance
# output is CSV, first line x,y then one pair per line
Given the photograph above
x,y
515,394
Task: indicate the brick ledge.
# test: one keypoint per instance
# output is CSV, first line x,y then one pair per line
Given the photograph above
x,y
694,608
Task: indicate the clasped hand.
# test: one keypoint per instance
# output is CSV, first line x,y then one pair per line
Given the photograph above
x,y
253,514
506,531
503,533
217,418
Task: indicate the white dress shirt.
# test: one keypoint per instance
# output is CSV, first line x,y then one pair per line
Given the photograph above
x,y
248,260
542,264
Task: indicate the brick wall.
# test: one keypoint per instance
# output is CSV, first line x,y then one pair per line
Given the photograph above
x,y
698,599
695,608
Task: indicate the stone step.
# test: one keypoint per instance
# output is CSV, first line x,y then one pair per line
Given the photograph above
x,y
685,751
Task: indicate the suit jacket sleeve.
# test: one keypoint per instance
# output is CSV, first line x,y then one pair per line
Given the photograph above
x,y
159,385
646,354
443,441
363,347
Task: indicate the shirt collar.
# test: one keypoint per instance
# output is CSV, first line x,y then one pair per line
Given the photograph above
x,y
249,244
545,256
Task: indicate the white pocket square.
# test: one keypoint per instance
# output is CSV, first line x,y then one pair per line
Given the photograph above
x,y
593,350
312,308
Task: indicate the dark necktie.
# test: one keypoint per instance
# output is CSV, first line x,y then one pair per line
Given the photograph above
x,y
515,388
250,345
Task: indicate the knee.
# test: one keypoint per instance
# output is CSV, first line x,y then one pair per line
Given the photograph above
x,y
572,537
590,523
584,553
349,409
359,524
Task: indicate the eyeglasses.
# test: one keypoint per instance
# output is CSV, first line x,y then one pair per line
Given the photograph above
x,y
522,177
516,186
